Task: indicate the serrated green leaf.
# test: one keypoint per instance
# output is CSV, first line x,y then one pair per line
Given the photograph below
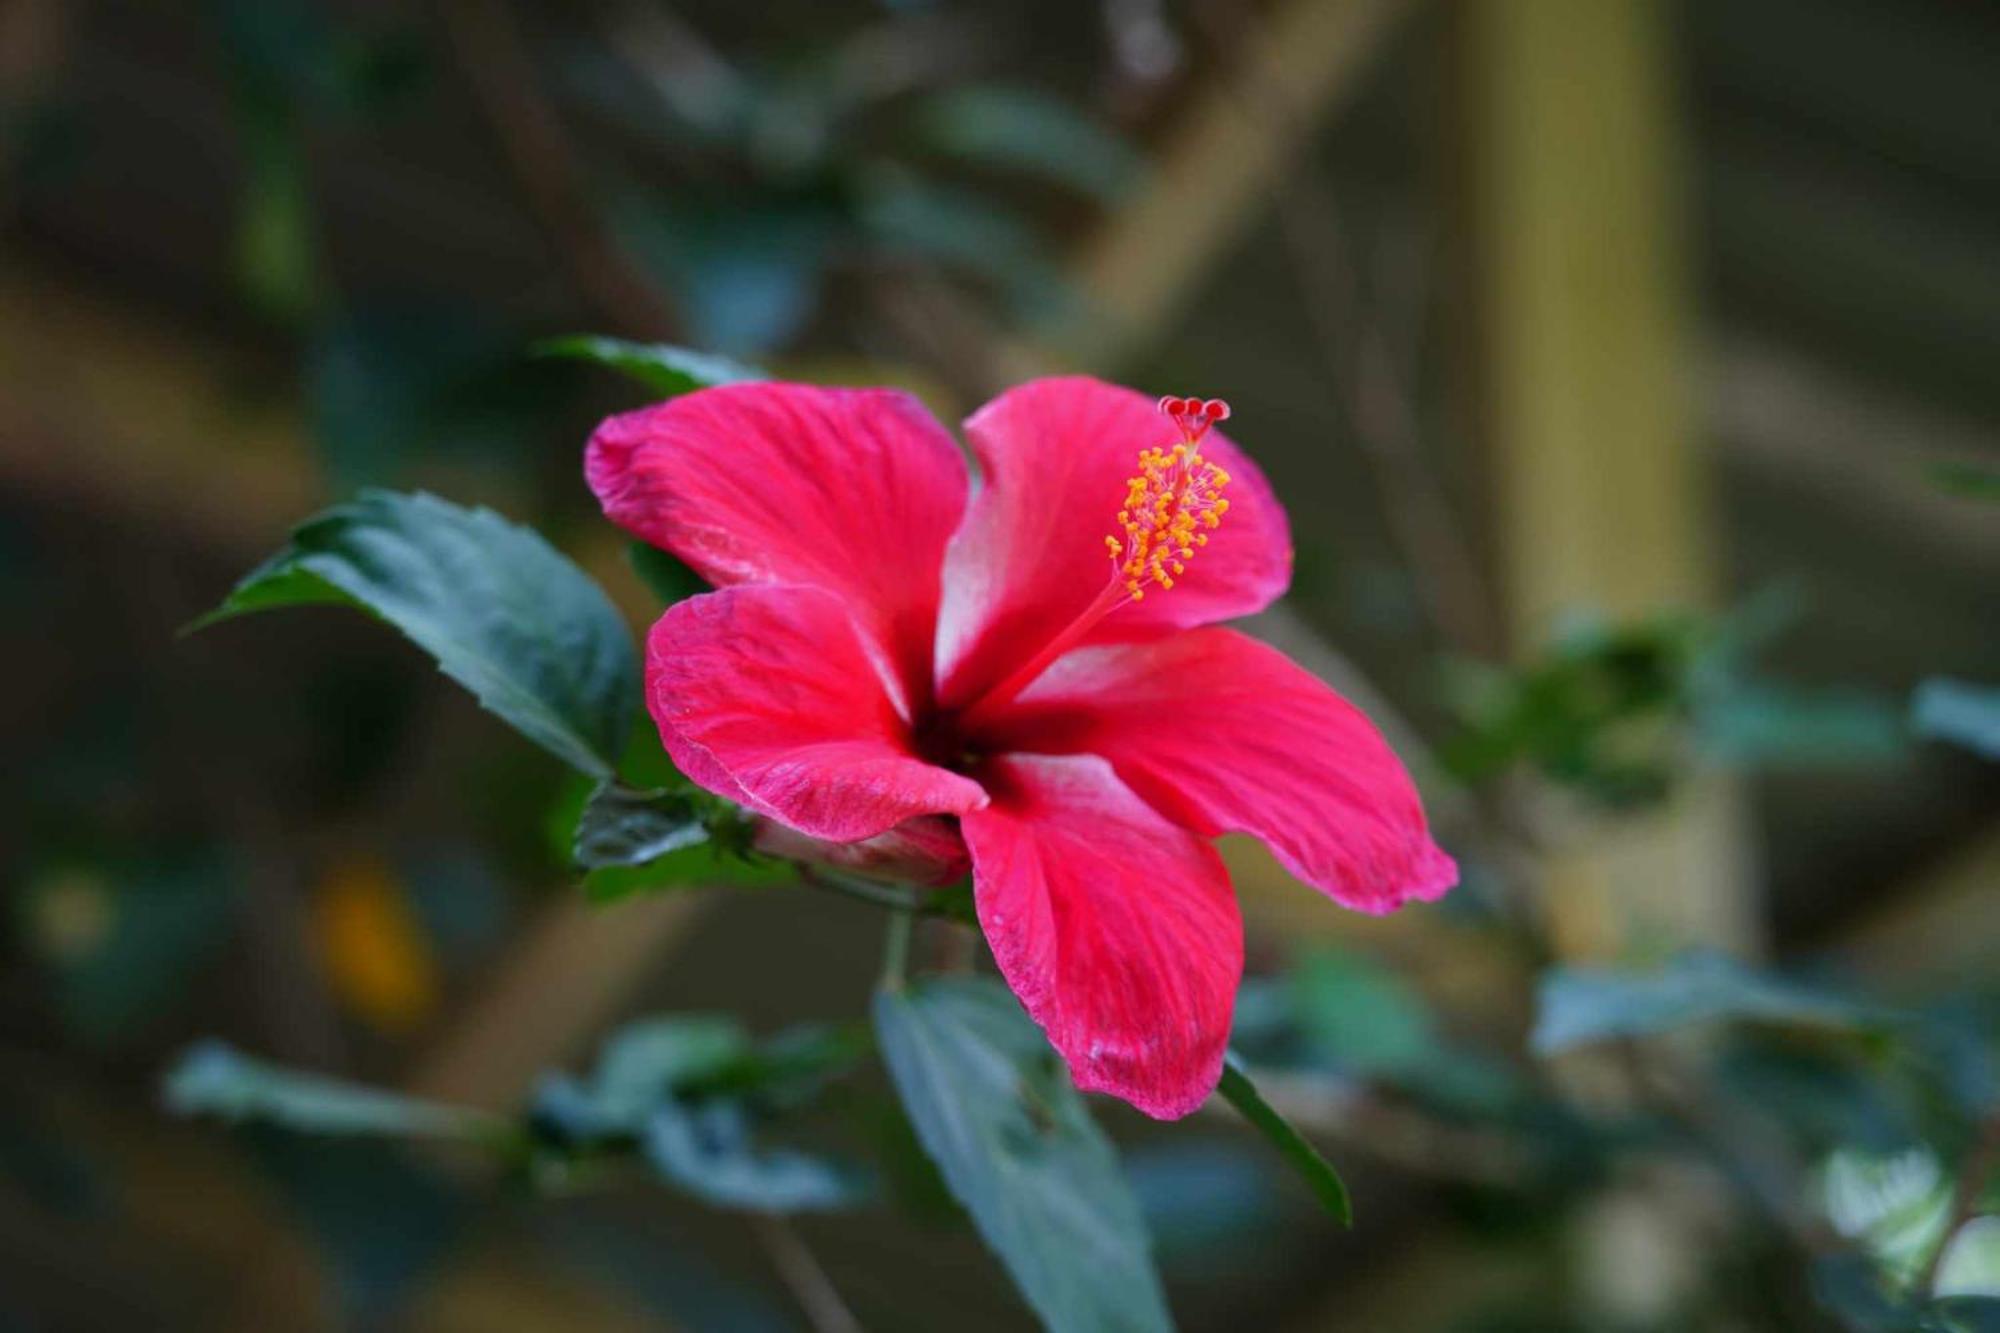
x,y
1965,714
623,827
215,1079
1318,1173
501,611
1581,1005
661,367
1018,1148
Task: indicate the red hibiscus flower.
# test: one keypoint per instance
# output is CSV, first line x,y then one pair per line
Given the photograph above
x,y
887,652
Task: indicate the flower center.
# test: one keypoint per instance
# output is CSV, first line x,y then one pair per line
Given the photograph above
x,y
1172,504
1170,507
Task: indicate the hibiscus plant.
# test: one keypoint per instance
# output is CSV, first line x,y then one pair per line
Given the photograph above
x,y
998,701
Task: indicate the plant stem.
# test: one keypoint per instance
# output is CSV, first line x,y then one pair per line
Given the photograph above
x,y
1972,1175
802,1274
896,951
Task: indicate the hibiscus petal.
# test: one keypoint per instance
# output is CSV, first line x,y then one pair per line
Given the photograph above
x,y
766,695
1116,929
1222,732
852,490
1030,555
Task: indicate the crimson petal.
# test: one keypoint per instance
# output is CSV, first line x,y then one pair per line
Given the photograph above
x,y
1222,732
767,695
1116,928
852,490
1030,556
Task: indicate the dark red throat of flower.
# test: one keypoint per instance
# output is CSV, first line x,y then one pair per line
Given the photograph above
x,y
1169,508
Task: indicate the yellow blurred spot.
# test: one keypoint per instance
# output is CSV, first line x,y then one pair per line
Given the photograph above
x,y
72,914
376,955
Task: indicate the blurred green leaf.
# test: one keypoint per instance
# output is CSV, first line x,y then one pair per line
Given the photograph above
x,y
644,1063
1582,1005
1766,724
623,827
684,1089
501,611
1019,1150
707,1149
1023,130
666,370
1956,711
1360,1016
215,1079
1326,1183
1602,711
1974,481
669,578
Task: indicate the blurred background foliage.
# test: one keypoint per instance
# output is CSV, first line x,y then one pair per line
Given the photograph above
x,y
1626,368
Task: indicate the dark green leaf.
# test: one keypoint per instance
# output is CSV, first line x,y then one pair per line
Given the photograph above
x,y
503,613
1581,1005
706,1148
1019,1150
666,370
215,1079
670,580
623,827
704,865
1965,714
1317,1171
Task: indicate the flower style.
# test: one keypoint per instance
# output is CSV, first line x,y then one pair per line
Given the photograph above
x,y
889,658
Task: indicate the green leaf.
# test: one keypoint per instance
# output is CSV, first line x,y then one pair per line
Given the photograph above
x,y
503,613
645,1062
1582,1005
1326,1183
1974,481
1965,714
215,1079
707,1149
702,866
1019,1150
670,580
1360,1016
665,369
623,827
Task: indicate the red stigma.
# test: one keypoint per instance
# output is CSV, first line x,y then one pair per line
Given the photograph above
x,y
1194,415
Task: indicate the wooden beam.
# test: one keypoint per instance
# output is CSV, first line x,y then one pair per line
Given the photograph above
x,y
1572,140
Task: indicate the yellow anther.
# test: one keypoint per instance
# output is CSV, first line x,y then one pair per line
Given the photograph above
x,y
1170,506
